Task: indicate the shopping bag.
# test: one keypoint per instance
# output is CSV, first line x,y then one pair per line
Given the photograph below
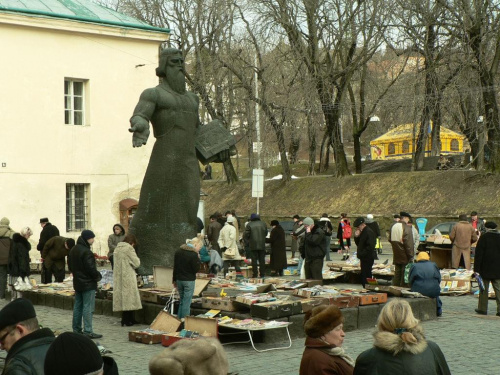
x,y
480,281
407,272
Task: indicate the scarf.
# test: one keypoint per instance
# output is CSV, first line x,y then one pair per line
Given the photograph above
x,y
338,352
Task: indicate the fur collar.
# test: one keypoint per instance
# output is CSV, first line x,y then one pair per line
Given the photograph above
x,y
188,248
18,238
393,343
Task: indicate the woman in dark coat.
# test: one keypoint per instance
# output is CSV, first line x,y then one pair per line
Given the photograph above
x,y
278,248
425,279
19,260
400,346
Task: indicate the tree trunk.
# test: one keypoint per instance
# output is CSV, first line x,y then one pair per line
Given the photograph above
x,y
311,136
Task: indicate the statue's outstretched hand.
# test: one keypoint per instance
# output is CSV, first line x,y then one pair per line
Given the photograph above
x,y
140,128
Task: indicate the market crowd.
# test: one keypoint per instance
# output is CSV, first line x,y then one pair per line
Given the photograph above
x,y
399,343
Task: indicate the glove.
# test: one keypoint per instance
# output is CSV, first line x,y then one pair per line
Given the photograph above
x,y
223,249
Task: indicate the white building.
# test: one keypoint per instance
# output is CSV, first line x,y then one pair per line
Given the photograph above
x,y
72,73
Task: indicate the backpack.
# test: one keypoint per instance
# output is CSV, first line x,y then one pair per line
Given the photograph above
x,y
346,230
327,228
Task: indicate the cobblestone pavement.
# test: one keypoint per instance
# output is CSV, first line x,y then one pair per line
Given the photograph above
x,y
469,341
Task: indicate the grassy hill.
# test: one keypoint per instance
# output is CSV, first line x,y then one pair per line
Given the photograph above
x,y
438,195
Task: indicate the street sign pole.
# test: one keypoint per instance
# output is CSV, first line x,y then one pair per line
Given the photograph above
x,y
258,185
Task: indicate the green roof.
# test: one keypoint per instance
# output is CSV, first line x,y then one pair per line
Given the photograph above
x,y
77,10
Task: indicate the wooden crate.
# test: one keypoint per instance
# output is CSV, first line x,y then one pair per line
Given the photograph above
x,y
206,327
164,322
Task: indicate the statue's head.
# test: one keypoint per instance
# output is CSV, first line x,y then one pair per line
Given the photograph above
x,y
166,55
171,68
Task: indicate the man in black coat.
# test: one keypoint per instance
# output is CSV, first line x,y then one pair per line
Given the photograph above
x,y
48,231
255,234
487,265
23,339
313,249
365,241
81,262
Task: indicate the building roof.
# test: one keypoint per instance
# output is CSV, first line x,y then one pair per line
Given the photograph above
x,y
76,10
405,131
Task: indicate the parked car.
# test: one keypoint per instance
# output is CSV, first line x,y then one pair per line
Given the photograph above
x,y
443,228
288,228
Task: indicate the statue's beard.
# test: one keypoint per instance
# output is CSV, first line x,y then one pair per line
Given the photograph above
x,y
176,80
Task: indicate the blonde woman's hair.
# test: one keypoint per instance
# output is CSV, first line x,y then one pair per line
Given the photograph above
x,y
26,231
397,317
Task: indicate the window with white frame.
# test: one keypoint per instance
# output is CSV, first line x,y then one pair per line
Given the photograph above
x,y
77,208
74,101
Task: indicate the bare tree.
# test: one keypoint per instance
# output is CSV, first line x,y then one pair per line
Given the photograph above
x,y
324,35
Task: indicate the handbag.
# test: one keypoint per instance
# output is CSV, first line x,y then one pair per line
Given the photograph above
x,y
230,253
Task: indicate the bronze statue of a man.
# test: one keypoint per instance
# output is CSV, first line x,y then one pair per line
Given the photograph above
x,y
168,204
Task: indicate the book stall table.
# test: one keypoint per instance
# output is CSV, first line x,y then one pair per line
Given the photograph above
x,y
250,326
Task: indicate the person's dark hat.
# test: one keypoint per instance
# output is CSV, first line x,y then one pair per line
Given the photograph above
x,y
72,353
44,220
87,234
16,311
404,214
490,225
254,216
359,220
70,242
321,320
473,213
274,223
397,216
296,217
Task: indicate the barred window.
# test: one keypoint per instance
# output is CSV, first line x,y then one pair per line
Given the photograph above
x,y
454,145
77,210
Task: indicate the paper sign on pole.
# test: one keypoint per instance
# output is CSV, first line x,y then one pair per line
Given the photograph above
x,y
258,183
257,146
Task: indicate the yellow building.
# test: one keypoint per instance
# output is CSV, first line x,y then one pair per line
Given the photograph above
x,y
72,73
398,143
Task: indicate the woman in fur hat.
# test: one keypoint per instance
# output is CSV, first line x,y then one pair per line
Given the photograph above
x,y
400,346
324,354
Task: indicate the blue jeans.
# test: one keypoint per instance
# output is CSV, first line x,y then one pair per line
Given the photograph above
x,y
186,290
83,308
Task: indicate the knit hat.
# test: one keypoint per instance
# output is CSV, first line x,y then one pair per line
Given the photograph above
x,y
473,213
274,223
4,221
254,216
369,218
490,225
87,234
321,320
44,220
359,220
16,311
422,256
308,221
70,242
72,353
231,219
